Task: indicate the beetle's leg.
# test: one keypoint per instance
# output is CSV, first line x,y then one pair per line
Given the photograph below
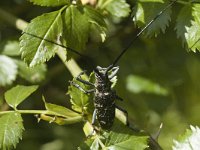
x,y
81,89
83,81
114,72
118,98
125,112
94,116
95,130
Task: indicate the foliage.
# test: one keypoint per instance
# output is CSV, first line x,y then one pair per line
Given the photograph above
x,y
161,80
11,123
17,94
69,25
11,67
118,138
11,130
8,70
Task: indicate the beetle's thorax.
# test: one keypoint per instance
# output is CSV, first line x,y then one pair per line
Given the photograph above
x,y
102,82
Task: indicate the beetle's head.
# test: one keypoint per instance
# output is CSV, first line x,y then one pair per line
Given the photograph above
x,y
105,73
100,73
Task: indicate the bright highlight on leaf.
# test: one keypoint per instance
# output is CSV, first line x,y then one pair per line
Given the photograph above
x,y
11,128
18,94
188,141
8,70
188,25
36,50
137,84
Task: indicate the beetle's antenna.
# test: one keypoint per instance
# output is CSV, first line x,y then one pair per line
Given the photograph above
x,y
135,38
63,46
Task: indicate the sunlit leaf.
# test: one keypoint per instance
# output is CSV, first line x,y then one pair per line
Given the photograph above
x,y
32,74
36,50
81,101
139,84
10,48
183,21
192,34
50,2
8,70
11,128
76,26
118,8
60,110
146,10
193,37
18,94
190,140
69,26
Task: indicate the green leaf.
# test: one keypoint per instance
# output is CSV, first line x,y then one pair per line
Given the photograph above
x,y
8,70
69,26
190,140
60,110
10,48
188,23
183,21
32,74
139,84
81,101
97,21
76,26
118,8
60,115
77,22
192,34
37,50
18,94
120,137
146,10
11,128
50,2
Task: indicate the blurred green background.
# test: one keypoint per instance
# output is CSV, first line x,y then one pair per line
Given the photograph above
x,y
158,80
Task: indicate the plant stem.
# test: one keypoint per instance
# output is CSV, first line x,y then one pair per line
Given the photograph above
x,y
17,22
72,66
28,112
48,114
20,24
